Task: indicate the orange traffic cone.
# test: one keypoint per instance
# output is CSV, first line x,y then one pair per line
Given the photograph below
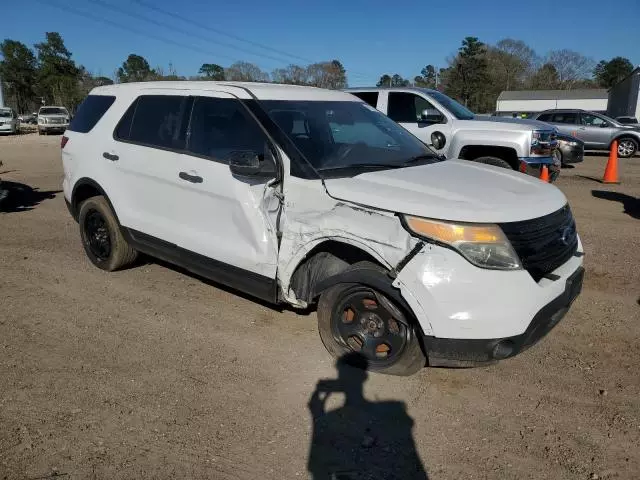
x,y
544,173
611,172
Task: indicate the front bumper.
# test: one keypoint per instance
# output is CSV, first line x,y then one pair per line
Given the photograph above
x,y
52,127
457,303
451,352
572,154
8,128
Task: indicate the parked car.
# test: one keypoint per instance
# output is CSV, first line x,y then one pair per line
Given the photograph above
x,y
9,122
513,143
306,196
627,120
52,119
597,131
28,118
570,150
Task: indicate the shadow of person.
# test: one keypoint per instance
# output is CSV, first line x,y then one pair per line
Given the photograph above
x,y
630,204
362,439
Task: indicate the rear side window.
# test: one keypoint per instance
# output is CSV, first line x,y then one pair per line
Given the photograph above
x,y
156,121
545,117
369,97
565,117
90,112
220,126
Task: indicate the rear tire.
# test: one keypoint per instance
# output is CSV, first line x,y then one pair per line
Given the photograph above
x,y
101,236
495,161
332,308
627,147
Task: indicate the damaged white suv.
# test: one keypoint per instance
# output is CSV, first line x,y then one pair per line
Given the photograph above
x,y
305,196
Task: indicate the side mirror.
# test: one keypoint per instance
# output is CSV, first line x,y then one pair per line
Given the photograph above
x,y
438,140
431,115
247,163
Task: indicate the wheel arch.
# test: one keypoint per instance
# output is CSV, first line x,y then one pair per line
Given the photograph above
x,y
323,259
507,153
624,136
86,188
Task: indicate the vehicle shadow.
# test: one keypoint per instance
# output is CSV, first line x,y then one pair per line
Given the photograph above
x,y
18,197
144,259
361,439
630,204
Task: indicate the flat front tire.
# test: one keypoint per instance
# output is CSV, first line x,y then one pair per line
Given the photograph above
x,y
356,318
101,236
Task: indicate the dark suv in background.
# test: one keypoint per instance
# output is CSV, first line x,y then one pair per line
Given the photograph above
x,y
595,130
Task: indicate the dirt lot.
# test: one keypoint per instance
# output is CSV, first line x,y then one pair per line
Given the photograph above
x,y
151,373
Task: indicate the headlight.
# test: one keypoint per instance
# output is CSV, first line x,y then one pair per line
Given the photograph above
x,y
42,120
485,246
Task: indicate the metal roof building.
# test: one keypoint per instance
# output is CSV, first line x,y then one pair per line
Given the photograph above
x,y
529,101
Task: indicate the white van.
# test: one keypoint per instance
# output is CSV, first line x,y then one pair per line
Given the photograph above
x,y
306,196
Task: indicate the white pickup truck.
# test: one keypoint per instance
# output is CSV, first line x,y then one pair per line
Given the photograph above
x,y
456,132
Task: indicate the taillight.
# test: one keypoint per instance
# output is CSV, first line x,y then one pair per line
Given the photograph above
x,y
63,141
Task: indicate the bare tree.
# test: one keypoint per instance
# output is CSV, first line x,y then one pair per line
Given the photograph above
x,y
570,66
245,72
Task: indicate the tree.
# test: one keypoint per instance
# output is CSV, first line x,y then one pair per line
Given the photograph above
x,y
211,71
293,75
58,76
545,78
135,69
571,66
466,78
608,74
327,75
427,77
18,71
393,81
510,63
245,72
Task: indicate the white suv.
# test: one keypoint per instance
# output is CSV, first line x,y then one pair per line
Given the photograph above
x,y
306,196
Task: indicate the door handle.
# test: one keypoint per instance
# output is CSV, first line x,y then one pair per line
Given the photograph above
x,y
190,178
110,156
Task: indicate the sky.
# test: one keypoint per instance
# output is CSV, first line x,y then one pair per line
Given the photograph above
x,y
369,37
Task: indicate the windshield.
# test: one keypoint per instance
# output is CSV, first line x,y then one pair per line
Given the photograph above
x,y
53,111
342,135
5,113
458,110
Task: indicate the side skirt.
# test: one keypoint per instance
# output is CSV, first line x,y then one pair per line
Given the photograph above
x,y
240,279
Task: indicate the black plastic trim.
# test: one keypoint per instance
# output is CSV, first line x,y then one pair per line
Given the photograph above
x,y
90,182
240,279
454,352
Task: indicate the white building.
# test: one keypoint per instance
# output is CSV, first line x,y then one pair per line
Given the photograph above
x,y
529,101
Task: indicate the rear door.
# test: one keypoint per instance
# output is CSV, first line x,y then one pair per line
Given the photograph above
x,y
144,156
408,109
566,122
595,131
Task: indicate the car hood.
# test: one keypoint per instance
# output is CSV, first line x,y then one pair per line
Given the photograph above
x,y
514,123
456,190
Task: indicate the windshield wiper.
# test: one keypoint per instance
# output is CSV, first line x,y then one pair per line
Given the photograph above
x,y
364,166
420,159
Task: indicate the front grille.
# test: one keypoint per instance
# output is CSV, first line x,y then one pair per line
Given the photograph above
x,y
545,243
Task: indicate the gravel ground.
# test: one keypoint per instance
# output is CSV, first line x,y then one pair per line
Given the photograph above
x,y
152,373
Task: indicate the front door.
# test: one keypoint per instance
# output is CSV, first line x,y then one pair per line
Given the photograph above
x,y
415,113
595,131
221,216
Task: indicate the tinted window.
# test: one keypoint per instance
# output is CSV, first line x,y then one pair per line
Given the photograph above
x,y
157,121
123,130
220,126
407,107
593,121
545,117
565,117
90,111
370,97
